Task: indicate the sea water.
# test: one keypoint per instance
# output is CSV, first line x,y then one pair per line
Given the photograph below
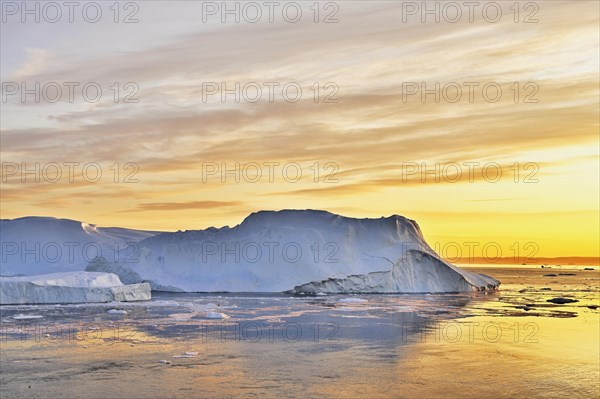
x,y
510,343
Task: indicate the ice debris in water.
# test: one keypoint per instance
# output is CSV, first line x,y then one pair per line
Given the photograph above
x,y
216,315
22,316
352,300
117,311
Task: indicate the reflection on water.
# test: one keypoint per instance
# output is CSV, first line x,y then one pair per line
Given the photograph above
x,y
507,344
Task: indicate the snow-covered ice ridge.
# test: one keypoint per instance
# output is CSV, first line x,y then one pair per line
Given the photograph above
x,y
299,251
69,287
39,245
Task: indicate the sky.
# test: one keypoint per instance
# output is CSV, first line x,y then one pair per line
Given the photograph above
x,y
482,126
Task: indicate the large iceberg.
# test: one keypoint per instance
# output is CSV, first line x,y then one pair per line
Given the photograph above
x,y
299,251
69,287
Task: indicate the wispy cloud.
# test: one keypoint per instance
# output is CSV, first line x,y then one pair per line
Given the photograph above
x,y
178,206
375,127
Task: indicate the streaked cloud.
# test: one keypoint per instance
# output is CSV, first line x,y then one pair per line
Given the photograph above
x,y
374,129
178,206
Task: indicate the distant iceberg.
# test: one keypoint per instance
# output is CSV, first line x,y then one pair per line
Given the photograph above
x,y
295,251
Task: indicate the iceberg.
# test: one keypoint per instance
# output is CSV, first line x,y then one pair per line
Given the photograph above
x,y
39,245
125,274
294,251
69,287
417,273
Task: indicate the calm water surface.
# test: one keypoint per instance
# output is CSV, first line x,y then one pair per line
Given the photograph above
x,y
512,343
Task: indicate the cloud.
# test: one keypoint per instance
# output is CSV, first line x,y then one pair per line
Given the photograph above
x,y
370,133
178,206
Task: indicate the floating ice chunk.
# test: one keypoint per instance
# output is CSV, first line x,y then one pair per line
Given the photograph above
x,y
26,316
117,311
352,300
182,316
163,361
216,315
186,355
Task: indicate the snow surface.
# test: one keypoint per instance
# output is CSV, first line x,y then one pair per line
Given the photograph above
x,y
69,287
71,279
303,252
39,245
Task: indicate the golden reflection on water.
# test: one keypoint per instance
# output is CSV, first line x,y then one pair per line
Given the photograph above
x,y
545,351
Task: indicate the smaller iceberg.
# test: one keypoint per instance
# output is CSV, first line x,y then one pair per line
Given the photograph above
x,y
417,272
70,287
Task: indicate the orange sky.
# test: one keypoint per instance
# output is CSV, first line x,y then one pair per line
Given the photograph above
x,y
369,146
